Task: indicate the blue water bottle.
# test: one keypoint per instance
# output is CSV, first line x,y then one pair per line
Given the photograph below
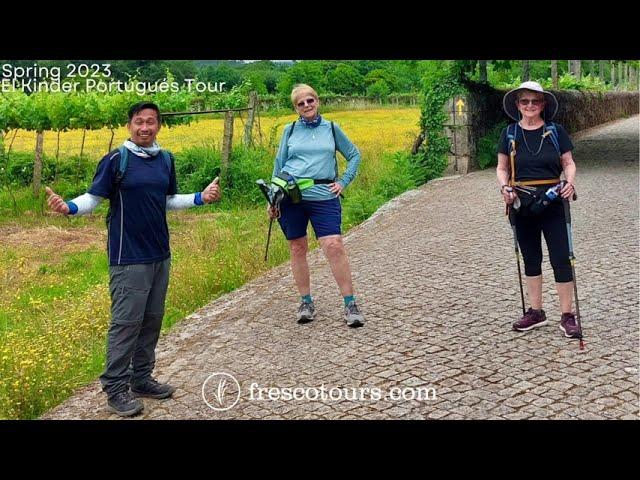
x,y
552,193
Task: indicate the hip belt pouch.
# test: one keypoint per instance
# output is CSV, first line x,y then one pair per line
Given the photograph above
x,y
534,200
289,185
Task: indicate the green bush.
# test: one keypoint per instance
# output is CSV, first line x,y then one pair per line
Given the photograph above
x,y
361,203
431,160
196,166
247,166
487,147
18,171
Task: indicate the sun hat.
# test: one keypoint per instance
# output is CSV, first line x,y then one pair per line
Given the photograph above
x,y
509,101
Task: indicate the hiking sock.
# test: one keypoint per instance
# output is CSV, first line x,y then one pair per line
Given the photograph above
x,y
306,298
348,299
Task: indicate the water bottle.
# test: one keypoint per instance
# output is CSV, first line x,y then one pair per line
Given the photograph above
x,y
545,199
552,193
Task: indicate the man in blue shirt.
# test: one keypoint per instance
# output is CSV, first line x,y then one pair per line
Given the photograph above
x,y
139,254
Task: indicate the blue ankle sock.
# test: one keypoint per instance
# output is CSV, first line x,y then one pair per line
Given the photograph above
x,y
348,299
306,298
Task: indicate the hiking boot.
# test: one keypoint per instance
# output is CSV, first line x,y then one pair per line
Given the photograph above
x,y
531,319
124,404
306,312
569,326
353,316
152,389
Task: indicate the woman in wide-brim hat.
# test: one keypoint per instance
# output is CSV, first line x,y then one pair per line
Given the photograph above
x,y
533,152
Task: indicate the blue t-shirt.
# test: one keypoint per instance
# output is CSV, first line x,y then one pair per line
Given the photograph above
x,y
309,152
137,231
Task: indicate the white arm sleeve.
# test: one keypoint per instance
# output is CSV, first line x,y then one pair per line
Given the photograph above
x,y
86,203
181,201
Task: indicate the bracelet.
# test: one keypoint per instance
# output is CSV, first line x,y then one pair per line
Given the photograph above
x,y
502,188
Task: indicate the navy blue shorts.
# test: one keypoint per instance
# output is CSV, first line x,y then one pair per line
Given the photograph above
x,y
325,216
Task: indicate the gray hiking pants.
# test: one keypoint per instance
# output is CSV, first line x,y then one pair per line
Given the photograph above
x,y
138,293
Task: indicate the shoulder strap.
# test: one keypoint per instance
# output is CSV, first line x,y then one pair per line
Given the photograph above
x,y
291,130
551,128
335,148
123,161
511,137
122,165
168,158
512,152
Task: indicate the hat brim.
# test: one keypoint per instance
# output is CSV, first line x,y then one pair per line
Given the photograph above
x,y
510,108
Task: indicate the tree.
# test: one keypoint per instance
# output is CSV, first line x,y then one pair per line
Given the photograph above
x,y
221,73
575,68
482,70
309,72
379,90
346,80
526,70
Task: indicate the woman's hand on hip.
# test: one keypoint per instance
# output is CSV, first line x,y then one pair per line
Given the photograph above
x,y
336,188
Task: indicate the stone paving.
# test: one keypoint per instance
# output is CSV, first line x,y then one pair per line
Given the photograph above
x,y
436,277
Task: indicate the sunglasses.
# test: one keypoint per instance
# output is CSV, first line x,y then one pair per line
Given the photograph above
x,y
308,101
535,101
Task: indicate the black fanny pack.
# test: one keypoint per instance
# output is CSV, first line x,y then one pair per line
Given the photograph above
x,y
534,200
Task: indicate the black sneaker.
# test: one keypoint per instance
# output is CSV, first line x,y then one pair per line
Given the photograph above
x,y
152,389
124,404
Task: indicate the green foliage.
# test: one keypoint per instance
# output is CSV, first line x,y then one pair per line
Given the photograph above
x,y
379,90
487,146
345,79
195,167
586,82
77,171
361,203
91,110
309,72
507,74
431,160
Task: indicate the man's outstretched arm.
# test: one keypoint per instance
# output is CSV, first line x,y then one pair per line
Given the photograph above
x,y
208,195
85,203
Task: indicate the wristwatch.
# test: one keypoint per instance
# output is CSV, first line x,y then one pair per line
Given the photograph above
x,y
502,188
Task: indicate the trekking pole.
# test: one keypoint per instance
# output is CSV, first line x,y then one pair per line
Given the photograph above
x,y
268,239
268,194
512,221
572,260
511,214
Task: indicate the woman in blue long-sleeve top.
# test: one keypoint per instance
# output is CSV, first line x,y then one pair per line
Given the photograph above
x,y
307,156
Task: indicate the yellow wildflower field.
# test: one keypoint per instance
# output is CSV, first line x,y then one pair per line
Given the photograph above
x,y
378,130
